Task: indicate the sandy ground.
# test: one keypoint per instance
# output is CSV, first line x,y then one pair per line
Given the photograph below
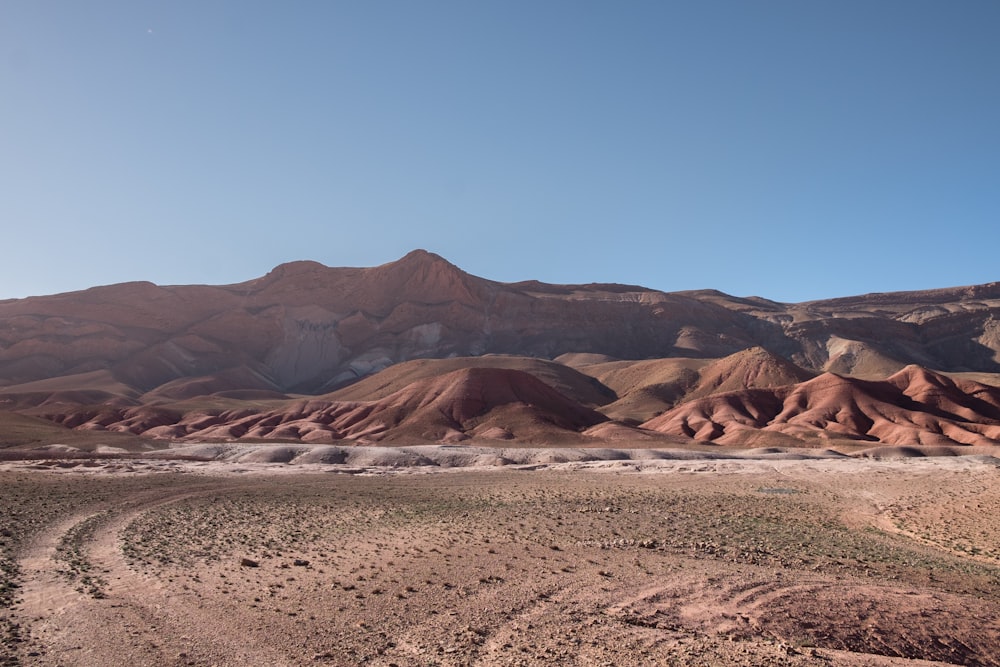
x,y
766,560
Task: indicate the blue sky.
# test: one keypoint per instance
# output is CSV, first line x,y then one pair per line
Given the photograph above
x,y
789,149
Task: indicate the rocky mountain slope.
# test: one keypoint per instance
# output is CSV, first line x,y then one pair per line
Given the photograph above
x,y
418,350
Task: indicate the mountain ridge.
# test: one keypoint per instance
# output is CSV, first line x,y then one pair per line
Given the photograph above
x,y
305,329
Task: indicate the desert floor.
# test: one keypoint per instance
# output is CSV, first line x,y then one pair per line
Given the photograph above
x,y
719,562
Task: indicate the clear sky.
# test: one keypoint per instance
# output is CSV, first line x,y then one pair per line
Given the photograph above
x,y
792,149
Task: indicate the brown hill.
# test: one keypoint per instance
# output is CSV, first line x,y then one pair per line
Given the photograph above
x,y
747,369
645,388
913,407
481,403
649,388
492,403
238,381
569,382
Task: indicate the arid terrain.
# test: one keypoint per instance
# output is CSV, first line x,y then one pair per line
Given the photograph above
x,y
761,560
417,351
410,465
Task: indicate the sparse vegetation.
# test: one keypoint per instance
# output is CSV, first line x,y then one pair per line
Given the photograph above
x,y
526,568
27,505
75,564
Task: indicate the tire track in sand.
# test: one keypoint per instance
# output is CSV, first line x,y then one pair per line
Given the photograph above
x,y
137,619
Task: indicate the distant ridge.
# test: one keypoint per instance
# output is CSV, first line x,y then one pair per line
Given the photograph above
x,y
141,359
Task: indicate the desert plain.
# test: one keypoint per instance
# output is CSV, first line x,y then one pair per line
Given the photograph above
x,y
548,558
411,465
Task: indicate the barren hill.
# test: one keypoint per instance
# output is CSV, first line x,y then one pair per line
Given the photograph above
x,y
306,327
142,358
913,407
486,403
572,383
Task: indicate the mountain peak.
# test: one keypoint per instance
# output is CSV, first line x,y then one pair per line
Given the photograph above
x,y
423,276
422,256
420,260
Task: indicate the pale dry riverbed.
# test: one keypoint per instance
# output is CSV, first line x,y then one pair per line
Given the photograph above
x,y
628,561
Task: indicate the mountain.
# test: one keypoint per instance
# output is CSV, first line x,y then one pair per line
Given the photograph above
x,y
138,358
308,328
